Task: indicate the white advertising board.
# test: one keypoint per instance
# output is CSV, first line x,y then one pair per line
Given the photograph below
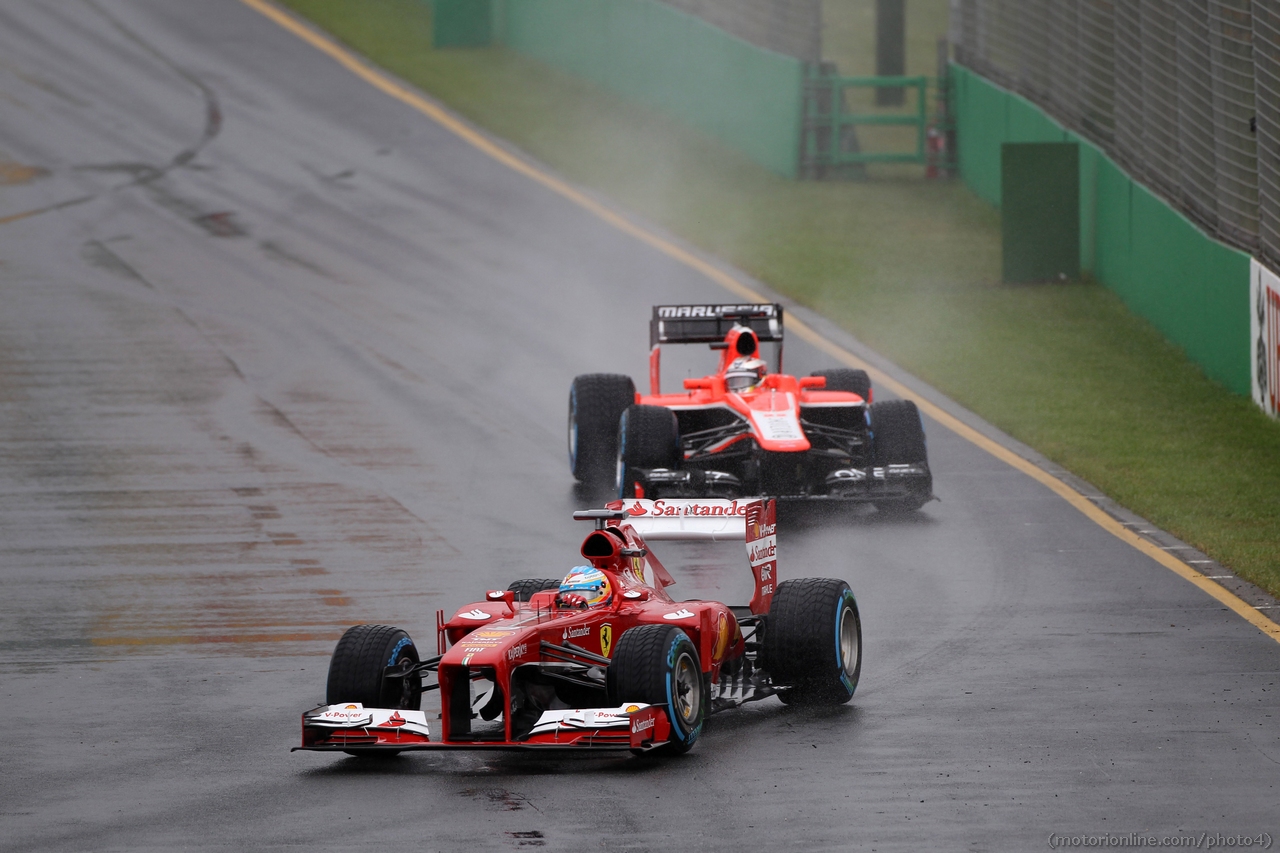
x,y
1264,336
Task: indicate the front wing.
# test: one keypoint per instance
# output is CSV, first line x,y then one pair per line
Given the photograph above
x,y
342,728
846,484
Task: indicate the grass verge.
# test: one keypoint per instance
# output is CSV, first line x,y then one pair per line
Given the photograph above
x,y
909,267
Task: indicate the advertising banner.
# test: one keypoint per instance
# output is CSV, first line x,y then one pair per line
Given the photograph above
x,y
1264,333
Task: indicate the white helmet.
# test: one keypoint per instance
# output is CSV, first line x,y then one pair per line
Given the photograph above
x,y
744,374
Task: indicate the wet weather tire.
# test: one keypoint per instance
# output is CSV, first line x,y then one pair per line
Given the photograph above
x,y
898,439
648,438
356,669
596,402
850,381
658,665
526,587
813,641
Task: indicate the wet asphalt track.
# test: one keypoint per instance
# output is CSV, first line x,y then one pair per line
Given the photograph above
x,y
295,358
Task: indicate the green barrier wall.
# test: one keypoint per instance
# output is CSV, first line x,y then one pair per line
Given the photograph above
x,y
461,23
1193,288
747,97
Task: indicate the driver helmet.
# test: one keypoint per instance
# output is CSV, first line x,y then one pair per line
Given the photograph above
x,y
584,586
744,374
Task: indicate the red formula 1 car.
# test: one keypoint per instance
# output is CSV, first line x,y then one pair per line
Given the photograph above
x,y
743,430
603,659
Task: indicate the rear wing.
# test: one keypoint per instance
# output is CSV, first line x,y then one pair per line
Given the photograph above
x,y
708,324
753,522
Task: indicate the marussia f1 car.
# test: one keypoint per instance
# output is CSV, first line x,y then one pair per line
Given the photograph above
x,y
604,659
743,430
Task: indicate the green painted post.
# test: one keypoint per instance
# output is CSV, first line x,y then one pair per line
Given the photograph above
x,y
461,23
891,49
1040,211
837,118
921,116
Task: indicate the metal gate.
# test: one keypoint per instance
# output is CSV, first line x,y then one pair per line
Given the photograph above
x,y
840,112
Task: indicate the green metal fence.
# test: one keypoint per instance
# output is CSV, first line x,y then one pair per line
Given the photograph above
x,y
835,114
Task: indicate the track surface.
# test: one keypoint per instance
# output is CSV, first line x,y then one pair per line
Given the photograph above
x,y
295,358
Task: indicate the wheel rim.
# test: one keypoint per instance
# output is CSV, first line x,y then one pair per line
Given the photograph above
x,y
410,688
573,435
688,690
848,641
620,470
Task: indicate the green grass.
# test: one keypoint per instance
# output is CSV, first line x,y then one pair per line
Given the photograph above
x,y
910,267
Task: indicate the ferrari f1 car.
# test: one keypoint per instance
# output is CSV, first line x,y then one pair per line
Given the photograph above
x,y
603,659
744,430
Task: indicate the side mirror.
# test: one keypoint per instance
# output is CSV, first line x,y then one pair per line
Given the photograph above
x,y
504,595
813,382
695,384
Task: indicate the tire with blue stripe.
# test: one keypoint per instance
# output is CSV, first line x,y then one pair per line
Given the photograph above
x,y
813,642
359,663
658,665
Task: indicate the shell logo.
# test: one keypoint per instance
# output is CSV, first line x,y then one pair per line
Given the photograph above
x,y
722,638
631,709
352,707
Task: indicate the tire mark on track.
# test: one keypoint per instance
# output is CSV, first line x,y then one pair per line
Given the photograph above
x,y
143,174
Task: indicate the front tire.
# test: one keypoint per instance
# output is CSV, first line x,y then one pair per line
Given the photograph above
x,y
898,439
658,665
648,437
813,641
596,402
356,673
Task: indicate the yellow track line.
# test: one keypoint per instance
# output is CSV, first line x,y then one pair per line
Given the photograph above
x,y
452,123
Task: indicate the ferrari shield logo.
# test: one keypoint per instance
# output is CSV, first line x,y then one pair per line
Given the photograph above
x,y
606,639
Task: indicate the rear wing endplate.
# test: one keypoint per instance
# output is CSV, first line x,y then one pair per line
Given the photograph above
x,y
753,522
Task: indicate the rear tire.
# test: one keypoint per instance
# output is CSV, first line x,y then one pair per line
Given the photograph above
x,y
658,665
898,439
526,587
596,402
356,674
813,641
849,381
649,437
